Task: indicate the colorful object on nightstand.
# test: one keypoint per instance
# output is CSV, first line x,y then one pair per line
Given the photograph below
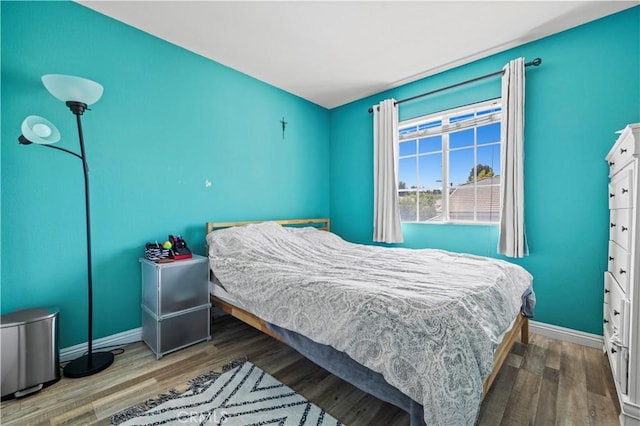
x,y
167,245
180,249
155,252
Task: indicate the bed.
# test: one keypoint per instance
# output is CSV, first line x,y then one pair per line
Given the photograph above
x,y
426,330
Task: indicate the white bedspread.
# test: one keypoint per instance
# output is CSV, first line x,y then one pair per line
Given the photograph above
x,y
427,320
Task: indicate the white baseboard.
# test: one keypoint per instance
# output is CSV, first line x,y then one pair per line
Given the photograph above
x,y
115,340
135,335
566,334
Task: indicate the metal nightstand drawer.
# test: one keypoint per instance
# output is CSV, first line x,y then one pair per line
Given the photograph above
x,y
173,287
170,333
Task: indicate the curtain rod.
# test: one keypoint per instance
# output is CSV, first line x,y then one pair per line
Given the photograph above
x,y
535,63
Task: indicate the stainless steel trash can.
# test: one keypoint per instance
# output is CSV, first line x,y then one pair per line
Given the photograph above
x,y
30,354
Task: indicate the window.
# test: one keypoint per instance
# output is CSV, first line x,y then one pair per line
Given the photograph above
x,y
449,165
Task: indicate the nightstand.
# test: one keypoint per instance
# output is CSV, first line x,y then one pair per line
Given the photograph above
x,y
175,304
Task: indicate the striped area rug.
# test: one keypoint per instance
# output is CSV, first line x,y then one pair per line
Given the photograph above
x,y
243,395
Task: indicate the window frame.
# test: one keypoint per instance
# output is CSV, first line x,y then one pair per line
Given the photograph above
x,y
494,115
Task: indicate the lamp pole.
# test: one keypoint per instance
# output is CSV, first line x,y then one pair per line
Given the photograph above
x,y
91,363
87,207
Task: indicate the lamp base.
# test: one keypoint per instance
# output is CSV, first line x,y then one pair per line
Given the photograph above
x,y
83,366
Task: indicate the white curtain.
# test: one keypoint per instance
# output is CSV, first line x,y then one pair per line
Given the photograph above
x,y
386,213
512,241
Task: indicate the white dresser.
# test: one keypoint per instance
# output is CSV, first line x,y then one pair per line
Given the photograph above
x,y
622,278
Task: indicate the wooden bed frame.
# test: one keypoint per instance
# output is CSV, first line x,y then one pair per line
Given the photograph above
x,y
322,223
520,325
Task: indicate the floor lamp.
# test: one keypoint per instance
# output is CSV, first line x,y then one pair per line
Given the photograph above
x,y
77,93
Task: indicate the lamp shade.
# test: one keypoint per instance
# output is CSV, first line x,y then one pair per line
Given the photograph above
x,y
39,130
70,88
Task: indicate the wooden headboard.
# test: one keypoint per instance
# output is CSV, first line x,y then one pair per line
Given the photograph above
x,y
322,223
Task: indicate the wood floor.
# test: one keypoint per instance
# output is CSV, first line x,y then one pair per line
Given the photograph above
x,y
547,382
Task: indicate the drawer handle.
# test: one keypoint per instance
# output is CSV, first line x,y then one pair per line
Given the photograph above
x,y
611,195
623,150
606,290
613,225
622,271
605,321
611,163
624,190
613,351
616,312
610,258
624,228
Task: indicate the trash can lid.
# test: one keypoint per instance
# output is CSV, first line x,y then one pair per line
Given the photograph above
x,y
25,316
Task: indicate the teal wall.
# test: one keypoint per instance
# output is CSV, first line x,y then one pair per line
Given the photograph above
x,y
587,87
169,120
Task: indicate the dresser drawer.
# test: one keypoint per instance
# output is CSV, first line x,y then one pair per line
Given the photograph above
x,y
618,265
620,190
609,284
620,227
613,352
616,312
618,360
622,152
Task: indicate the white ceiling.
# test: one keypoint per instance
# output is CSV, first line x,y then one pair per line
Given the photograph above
x,y
334,52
